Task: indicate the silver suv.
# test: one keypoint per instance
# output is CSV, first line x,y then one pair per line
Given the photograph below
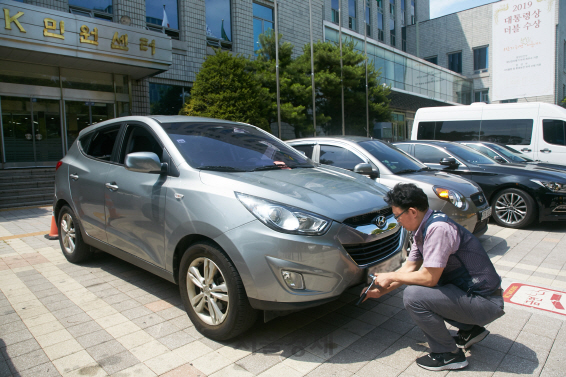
x,y
240,220
461,199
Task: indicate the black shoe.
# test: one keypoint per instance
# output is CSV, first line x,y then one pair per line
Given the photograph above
x,y
443,361
466,339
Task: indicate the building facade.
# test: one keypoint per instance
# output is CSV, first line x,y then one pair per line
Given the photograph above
x,y
463,42
65,64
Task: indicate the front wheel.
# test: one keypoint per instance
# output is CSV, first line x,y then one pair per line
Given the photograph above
x,y
213,293
513,208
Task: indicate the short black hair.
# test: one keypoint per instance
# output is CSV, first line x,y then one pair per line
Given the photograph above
x,y
406,195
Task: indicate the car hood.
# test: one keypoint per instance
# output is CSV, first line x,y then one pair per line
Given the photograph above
x,y
531,172
544,165
442,179
335,193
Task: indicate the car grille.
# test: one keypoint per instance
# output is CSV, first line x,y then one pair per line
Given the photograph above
x,y
371,252
479,199
366,218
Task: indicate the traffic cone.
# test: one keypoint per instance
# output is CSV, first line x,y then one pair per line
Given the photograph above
x,y
53,232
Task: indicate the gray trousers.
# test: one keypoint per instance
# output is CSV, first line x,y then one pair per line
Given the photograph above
x,y
430,307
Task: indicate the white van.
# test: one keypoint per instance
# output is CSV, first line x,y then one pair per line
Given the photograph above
x,y
535,129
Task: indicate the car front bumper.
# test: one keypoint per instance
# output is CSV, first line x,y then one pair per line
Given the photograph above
x,y
552,206
261,255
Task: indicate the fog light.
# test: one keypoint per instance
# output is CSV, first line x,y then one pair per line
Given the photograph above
x,y
294,280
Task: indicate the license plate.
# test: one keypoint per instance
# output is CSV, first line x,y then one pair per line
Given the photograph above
x,y
485,214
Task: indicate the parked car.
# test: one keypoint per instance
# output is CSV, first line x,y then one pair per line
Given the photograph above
x,y
518,196
504,155
240,220
461,199
536,129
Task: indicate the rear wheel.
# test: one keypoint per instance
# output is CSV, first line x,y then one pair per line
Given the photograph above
x,y
513,208
213,293
70,237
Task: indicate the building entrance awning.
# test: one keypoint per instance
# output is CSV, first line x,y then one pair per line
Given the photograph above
x,y
61,39
408,101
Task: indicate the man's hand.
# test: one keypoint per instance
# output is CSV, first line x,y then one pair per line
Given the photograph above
x,y
375,292
384,280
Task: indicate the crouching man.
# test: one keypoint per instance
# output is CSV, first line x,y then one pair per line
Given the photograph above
x,y
449,276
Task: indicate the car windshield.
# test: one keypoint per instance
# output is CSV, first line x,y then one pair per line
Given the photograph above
x,y
393,158
511,154
469,154
232,147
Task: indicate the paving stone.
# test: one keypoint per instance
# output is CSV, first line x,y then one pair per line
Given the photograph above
x,y
118,362
43,370
254,363
161,329
16,337
148,320
106,349
20,348
176,340
513,365
94,338
28,360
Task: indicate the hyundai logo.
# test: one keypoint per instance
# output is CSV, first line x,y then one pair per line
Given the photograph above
x,y
380,221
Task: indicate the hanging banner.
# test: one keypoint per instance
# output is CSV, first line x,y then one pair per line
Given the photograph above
x,y
523,48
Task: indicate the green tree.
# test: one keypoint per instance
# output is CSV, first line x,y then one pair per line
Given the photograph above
x,y
227,88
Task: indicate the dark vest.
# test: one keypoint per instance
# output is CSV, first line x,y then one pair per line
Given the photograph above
x,y
469,268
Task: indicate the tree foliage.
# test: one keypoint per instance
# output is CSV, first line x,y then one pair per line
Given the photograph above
x,y
235,88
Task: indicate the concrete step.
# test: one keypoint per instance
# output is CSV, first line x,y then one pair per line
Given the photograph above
x,y
28,204
20,191
26,187
24,200
45,183
26,178
34,171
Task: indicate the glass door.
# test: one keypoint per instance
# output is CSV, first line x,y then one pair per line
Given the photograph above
x,y
47,129
18,130
79,115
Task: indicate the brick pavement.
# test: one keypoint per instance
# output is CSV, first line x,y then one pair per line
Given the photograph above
x,y
109,318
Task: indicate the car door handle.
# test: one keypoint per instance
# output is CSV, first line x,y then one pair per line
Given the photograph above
x,y
526,150
545,150
74,177
111,187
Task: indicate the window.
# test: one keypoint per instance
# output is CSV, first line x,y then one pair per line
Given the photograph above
x,y
380,26
480,60
102,143
403,12
101,9
509,100
429,155
218,23
455,62
554,131
389,156
481,95
432,59
413,12
263,21
380,5
488,152
352,14
455,130
339,157
564,52
162,16
167,99
138,139
307,149
335,11
468,154
392,8
368,19
404,147
392,32
404,38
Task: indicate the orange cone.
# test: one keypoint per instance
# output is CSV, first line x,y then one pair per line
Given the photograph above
x,y
53,232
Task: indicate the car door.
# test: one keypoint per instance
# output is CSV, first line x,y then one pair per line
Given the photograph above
x,y
339,156
135,202
552,141
87,175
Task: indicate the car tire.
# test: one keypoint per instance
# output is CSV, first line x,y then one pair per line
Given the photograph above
x,y
223,292
513,208
70,237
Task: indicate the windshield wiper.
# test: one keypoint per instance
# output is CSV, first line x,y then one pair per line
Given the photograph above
x,y
219,168
271,167
406,171
425,169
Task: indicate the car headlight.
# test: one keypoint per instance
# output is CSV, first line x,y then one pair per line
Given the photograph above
x,y
284,218
452,196
552,186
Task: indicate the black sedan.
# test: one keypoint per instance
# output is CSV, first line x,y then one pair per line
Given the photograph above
x,y
518,195
504,154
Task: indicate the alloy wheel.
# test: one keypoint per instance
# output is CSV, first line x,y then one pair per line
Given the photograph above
x,y
68,233
511,208
207,291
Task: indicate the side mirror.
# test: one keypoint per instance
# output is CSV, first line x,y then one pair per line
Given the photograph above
x,y
143,162
500,159
449,161
366,169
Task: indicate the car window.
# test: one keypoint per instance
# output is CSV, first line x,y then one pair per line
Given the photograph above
x,y
482,149
510,153
507,131
84,141
307,149
468,154
404,147
102,143
231,147
554,131
428,154
388,155
339,157
139,139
